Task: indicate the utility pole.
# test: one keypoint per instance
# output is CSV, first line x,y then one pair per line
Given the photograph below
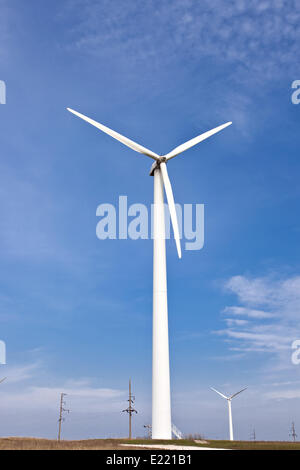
x,y
62,410
253,435
293,432
149,430
130,410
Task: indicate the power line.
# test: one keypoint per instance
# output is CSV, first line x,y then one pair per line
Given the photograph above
x,y
130,410
62,410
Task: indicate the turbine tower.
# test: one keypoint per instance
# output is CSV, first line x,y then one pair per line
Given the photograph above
x,y
229,408
161,396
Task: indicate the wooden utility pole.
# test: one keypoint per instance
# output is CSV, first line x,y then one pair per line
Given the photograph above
x,y
60,416
61,412
130,410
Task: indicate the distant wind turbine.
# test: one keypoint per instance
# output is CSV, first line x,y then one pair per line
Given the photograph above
x,y
161,397
229,408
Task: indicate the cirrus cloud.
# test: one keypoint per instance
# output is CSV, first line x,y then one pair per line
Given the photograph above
x,y
259,37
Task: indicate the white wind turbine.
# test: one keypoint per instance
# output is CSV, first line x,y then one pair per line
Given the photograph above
x,y
229,408
161,397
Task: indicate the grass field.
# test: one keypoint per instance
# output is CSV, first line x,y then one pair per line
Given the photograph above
x,y
17,443
236,445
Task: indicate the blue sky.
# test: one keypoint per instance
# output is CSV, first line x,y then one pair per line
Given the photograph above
x,y
75,312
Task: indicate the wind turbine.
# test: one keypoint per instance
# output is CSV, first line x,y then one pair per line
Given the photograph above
x,y
229,408
161,396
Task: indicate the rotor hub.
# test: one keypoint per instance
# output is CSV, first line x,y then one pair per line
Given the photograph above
x,y
156,164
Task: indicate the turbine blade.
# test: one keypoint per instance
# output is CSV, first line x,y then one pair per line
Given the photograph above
x,y
235,394
2,380
171,203
133,145
195,141
219,393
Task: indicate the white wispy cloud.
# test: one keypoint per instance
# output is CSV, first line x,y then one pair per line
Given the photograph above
x,y
252,45
283,394
256,36
83,399
23,390
236,322
281,296
247,312
21,373
262,338
29,405
271,306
